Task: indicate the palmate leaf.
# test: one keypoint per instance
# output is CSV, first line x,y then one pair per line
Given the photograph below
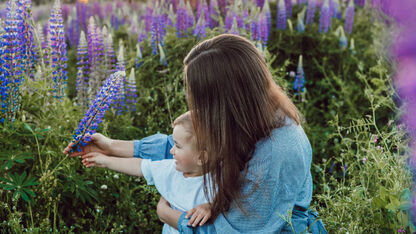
x,y
10,157
20,184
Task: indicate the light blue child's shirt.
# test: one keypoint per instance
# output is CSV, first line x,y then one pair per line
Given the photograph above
x,y
183,193
279,178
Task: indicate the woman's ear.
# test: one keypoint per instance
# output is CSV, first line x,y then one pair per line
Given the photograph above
x,y
203,158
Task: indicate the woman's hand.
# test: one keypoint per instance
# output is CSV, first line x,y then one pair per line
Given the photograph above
x,y
95,159
99,143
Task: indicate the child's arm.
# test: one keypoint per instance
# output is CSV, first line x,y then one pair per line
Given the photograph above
x,y
200,215
130,166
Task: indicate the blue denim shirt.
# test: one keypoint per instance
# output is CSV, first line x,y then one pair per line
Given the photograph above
x,y
281,169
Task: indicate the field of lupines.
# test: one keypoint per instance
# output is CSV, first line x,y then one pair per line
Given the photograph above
x,y
116,68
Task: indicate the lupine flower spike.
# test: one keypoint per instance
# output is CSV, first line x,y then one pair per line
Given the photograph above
x,y
281,15
310,14
181,16
131,94
121,66
213,12
11,62
299,83
82,74
325,18
266,10
288,5
58,51
349,17
95,114
200,27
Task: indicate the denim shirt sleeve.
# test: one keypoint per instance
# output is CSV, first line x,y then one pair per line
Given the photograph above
x,y
183,227
154,147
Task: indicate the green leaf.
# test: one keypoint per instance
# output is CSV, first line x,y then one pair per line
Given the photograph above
x,y
27,127
24,196
392,207
378,202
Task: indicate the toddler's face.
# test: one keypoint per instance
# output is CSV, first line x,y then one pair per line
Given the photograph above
x,y
185,151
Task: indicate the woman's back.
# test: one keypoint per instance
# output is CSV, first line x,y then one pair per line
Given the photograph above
x,y
278,179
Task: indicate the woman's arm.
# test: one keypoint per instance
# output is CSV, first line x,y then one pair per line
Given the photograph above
x,y
120,148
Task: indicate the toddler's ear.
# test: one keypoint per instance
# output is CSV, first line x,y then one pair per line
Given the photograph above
x,y
203,158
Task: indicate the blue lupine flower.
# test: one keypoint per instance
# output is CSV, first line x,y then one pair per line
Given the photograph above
x,y
281,15
299,2
360,3
264,30
288,4
266,10
299,83
300,26
95,114
131,92
200,27
83,69
213,14
335,9
190,19
73,30
181,15
349,17
139,56
310,14
29,47
255,28
325,18
202,7
158,30
11,61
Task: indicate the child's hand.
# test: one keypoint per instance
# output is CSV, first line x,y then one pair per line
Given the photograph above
x,y
95,159
200,214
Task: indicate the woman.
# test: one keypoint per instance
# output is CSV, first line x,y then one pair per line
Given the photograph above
x,y
258,157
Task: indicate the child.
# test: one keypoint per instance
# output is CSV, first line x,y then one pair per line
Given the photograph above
x,y
178,180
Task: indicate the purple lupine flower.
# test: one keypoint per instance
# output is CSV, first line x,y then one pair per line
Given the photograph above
x,y
29,47
213,14
202,7
200,27
343,42
95,114
83,69
360,3
260,3
325,18
310,14
111,57
121,66
82,15
131,92
190,19
255,28
139,56
158,31
73,30
288,5
181,16
11,61
281,15
266,10
247,22
299,2
349,17
299,83
222,6
300,26
97,72
234,27
264,30
58,51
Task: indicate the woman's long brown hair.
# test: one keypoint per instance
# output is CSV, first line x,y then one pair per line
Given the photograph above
x,y
235,103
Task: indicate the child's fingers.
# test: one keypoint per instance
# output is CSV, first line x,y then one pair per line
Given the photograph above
x,y
197,220
204,220
189,213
